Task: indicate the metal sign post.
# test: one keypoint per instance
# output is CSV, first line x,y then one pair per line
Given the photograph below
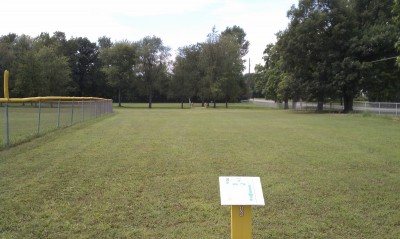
x,y
241,193
241,222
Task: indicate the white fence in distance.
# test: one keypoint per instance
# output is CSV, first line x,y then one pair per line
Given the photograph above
x,y
380,108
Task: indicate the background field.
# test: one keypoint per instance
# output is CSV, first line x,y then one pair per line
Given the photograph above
x,y
143,173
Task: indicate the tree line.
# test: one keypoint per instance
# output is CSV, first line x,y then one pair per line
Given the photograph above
x,y
52,65
334,51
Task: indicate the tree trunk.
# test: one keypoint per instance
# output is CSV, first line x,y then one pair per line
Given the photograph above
x,y
215,104
226,104
320,104
348,103
182,104
119,98
150,101
294,104
286,104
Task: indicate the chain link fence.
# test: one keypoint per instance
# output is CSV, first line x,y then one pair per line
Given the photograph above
x,y
22,121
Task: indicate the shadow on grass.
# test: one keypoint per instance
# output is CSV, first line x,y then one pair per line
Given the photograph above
x,y
317,112
30,136
154,106
186,106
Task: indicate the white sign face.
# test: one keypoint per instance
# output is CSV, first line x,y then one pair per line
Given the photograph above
x,y
241,191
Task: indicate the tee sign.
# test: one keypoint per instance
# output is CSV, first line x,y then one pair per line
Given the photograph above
x,y
241,191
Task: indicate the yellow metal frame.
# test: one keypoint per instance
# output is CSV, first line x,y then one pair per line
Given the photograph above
x,y
6,74
241,222
7,98
49,98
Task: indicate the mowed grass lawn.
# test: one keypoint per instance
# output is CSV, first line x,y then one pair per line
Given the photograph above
x,y
141,173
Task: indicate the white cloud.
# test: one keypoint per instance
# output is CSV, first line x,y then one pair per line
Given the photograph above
x,y
157,7
259,19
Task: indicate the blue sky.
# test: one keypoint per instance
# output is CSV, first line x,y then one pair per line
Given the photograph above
x,y
177,22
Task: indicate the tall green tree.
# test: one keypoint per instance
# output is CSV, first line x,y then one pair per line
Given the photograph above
x,y
7,54
222,64
333,49
305,47
40,70
232,65
85,65
151,70
186,73
101,86
372,45
240,36
269,75
396,11
273,81
119,63
54,72
259,79
104,42
211,60
26,68
28,75
25,56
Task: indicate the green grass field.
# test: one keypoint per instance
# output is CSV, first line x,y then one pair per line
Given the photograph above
x,y
141,173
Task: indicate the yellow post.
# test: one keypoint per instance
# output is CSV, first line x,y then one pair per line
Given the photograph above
x,y
6,84
241,222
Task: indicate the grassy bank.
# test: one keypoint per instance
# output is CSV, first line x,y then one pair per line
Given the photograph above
x,y
154,174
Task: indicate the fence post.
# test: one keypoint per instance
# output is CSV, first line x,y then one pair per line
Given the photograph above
x,y
7,126
40,109
72,112
379,108
58,114
90,109
95,109
83,112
